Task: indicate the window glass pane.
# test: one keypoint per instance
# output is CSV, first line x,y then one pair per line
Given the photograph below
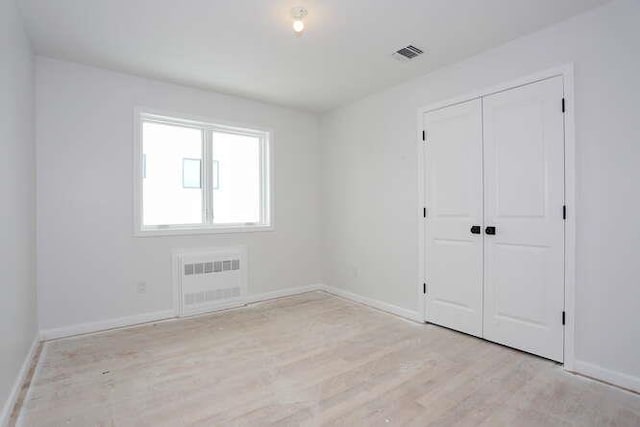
x,y
236,178
165,199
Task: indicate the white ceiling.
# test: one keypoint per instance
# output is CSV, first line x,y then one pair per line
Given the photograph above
x,y
247,47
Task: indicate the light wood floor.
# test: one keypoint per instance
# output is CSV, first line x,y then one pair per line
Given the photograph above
x,y
311,359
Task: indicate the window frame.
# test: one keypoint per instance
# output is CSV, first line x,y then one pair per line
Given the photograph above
x,y
208,126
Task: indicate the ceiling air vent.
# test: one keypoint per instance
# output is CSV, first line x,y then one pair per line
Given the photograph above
x,y
407,53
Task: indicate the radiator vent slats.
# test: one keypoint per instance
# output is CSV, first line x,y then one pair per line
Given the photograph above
x,y
211,295
211,267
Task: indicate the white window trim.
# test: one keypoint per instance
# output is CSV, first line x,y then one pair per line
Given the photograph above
x,y
267,170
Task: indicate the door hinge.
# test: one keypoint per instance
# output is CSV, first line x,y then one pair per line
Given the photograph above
x,y
563,317
424,288
424,136
424,212
564,212
563,105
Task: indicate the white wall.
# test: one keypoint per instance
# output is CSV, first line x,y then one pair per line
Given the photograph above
x,y
370,196
88,260
18,323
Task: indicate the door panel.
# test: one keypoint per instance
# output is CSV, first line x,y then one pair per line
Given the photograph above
x,y
454,202
524,196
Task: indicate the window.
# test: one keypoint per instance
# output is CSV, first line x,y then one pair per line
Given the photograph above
x,y
194,176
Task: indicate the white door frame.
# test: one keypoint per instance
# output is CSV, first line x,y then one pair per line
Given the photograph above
x,y
566,72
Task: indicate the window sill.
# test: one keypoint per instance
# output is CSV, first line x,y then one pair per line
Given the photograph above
x,y
158,232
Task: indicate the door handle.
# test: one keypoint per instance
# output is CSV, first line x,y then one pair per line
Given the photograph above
x,y
475,229
490,230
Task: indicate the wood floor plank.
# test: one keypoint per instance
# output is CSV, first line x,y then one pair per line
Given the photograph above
x,y
311,359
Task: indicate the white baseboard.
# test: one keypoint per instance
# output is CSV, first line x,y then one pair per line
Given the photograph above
x,y
128,321
104,325
251,299
283,293
17,385
581,368
619,379
389,308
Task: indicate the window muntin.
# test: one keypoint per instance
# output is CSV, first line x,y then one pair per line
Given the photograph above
x,y
201,177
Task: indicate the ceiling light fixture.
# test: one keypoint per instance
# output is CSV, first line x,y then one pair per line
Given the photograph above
x,y
298,14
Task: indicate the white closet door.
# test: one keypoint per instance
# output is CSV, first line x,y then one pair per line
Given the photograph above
x,y
524,197
454,204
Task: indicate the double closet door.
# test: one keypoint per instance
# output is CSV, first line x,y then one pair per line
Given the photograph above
x,y
494,243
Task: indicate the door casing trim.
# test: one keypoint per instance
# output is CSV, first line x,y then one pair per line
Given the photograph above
x,y
566,71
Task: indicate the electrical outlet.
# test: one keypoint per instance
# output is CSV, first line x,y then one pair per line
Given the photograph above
x,y
142,287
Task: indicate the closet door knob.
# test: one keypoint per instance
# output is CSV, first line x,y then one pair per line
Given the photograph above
x,y
490,230
475,229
